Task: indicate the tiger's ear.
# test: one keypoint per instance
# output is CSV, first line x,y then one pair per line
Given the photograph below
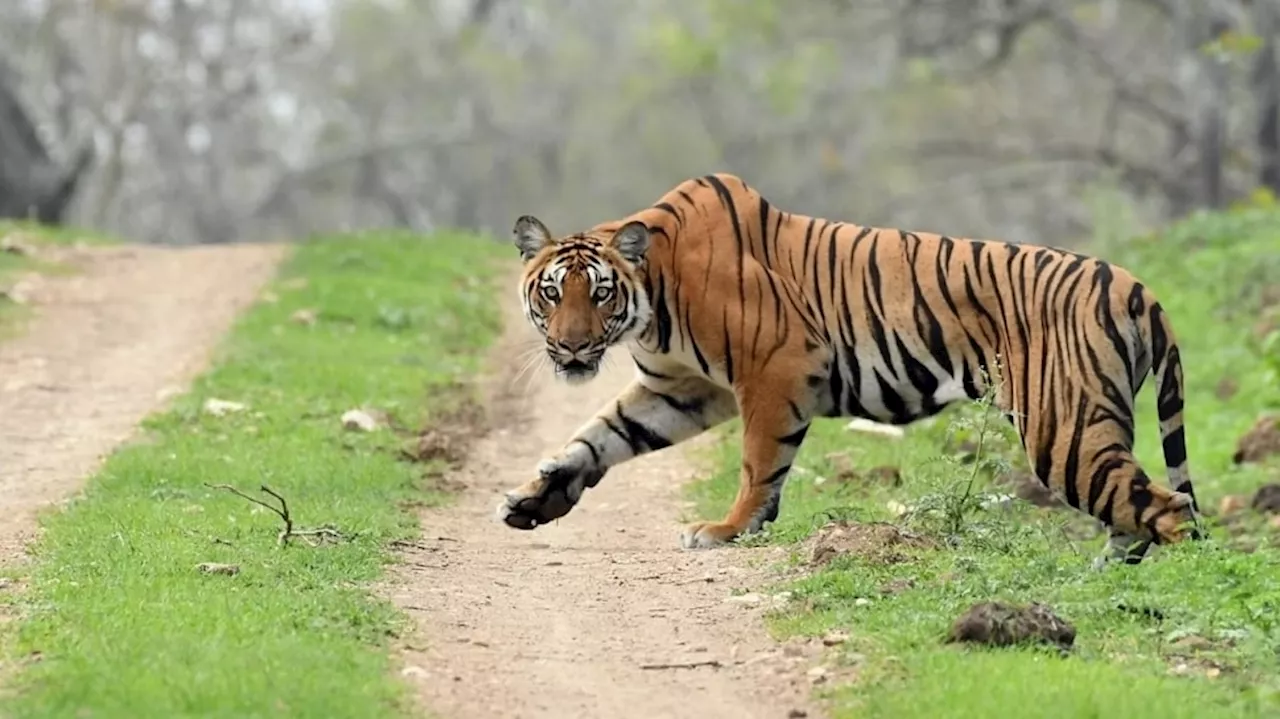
x,y
631,241
530,236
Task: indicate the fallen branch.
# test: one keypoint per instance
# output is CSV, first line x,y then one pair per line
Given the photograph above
x,y
683,665
283,512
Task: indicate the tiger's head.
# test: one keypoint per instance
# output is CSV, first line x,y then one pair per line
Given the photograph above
x,y
584,292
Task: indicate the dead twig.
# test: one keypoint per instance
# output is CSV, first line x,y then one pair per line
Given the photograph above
x,y
289,532
683,665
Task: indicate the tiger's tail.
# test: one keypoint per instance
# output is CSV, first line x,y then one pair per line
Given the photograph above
x,y
1166,368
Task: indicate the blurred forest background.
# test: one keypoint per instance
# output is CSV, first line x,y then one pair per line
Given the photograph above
x,y
1029,120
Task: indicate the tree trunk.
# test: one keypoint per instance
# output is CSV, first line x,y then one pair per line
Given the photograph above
x,y
1266,84
32,185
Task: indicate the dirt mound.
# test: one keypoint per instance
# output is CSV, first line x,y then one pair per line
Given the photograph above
x,y
1266,499
449,434
1001,625
1261,441
881,543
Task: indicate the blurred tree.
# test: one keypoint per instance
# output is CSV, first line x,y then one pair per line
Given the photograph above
x,y
32,184
215,120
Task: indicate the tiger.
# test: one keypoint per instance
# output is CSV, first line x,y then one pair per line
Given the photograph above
x,y
731,307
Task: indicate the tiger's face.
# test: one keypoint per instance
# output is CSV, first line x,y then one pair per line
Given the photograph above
x,y
583,293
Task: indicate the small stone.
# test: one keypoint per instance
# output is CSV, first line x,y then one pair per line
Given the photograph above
x,y
215,568
305,317
1230,504
870,427
897,508
797,714
414,670
817,675
358,420
745,599
219,407
832,639
862,602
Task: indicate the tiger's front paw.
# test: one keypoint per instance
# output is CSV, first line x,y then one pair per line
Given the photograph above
x,y
705,535
557,489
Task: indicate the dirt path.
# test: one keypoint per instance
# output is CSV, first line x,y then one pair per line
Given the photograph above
x,y
106,347
562,621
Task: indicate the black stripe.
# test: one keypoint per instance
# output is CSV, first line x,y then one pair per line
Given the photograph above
x,y
595,454
1175,448
1071,474
688,407
777,474
795,438
638,433
728,348
647,371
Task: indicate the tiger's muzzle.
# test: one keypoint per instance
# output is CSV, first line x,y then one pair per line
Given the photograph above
x,y
576,362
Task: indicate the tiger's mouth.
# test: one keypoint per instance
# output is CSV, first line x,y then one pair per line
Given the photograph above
x,y
577,371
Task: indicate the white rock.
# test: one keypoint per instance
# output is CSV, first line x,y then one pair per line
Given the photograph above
x,y
358,419
219,407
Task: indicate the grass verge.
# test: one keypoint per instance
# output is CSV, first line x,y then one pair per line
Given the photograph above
x,y
27,247
1194,631
116,620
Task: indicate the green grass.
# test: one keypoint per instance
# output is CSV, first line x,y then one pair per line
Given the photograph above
x,y
1220,605
123,623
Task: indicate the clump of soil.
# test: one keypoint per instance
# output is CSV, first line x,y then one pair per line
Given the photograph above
x,y
449,434
844,472
1260,442
886,474
877,542
1001,625
1266,499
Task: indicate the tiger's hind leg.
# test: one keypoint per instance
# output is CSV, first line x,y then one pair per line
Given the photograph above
x,y
774,426
649,415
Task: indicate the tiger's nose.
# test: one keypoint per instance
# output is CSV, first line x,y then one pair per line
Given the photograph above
x,y
574,346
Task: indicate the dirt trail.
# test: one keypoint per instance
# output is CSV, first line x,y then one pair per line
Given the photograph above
x,y
106,346
562,621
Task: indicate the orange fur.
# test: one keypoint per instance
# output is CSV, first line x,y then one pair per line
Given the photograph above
x,y
730,306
